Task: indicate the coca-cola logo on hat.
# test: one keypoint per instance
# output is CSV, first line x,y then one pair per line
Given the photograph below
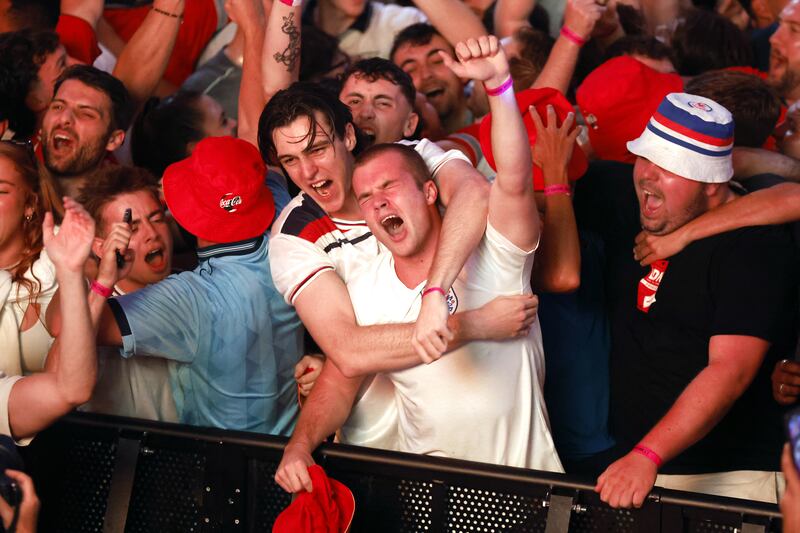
x,y
229,201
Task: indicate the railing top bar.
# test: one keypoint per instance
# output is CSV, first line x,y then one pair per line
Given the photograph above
x,y
439,465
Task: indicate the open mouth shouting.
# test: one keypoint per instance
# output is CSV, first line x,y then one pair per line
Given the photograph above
x,y
62,141
322,187
651,202
155,259
393,225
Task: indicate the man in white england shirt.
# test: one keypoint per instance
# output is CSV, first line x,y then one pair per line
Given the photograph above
x,y
494,386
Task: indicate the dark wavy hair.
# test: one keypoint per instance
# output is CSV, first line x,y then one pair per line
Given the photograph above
x,y
22,53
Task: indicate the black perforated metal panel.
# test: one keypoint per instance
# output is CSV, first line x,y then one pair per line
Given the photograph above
x,y
485,511
167,493
269,498
87,476
600,519
416,503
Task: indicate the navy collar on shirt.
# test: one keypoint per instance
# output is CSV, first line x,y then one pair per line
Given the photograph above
x,y
230,248
361,23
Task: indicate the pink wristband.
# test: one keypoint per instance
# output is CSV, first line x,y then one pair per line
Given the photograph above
x,y
432,289
102,290
503,87
292,3
650,454
572,36
550,190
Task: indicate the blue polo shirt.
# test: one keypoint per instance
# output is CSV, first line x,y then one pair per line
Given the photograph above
x,y
234,338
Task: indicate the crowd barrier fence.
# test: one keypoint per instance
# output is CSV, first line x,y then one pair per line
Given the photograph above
x,y
100,473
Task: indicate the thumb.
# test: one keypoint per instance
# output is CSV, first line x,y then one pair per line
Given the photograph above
x,y
457,68
47,227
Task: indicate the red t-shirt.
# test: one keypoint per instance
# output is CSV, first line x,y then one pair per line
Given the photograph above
x,y
78,38
199,25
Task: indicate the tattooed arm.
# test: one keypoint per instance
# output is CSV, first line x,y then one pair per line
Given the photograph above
x,y
281,57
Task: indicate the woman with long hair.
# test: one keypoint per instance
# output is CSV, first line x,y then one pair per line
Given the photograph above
x,y
27,276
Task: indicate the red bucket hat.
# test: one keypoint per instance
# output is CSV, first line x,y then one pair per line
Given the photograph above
x,y
617,99
539,99
218,193
328,508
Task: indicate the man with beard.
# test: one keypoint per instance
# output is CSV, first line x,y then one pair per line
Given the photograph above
x,y
784,60
85,122
695,336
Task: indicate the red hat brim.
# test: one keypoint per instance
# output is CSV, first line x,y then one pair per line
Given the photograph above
x,y
539,99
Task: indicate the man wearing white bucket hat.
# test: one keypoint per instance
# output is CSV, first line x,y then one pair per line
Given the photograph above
x,y
695,336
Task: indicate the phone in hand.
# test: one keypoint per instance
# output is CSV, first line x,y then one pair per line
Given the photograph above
x,y
792,422
126,218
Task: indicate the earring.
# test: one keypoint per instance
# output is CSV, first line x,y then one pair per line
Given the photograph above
x,y
28,217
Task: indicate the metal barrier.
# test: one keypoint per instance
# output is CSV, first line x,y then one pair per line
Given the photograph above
x,y
102,473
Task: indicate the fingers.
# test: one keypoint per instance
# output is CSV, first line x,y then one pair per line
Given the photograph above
x,y
422,351
48,225
537,120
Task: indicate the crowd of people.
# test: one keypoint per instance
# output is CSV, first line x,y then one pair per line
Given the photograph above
x,y
558,235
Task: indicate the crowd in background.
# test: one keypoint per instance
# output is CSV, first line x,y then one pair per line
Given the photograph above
x,y
556,234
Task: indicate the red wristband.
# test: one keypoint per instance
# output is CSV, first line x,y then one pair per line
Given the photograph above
x,y
550,190
503,87
572,36
292,3
432,289
102,290
650,454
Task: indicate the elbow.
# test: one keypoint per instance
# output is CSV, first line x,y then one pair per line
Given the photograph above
x,y
561,282
344,362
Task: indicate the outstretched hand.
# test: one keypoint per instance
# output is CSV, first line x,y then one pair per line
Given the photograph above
x,y
554,144
70,249
481,59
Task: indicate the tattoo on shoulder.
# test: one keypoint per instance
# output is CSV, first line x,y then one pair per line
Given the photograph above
x,y
291,54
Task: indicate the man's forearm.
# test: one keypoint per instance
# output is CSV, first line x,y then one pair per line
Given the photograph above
x,y
453,19
463,225
696,411
144,59
251,94
326,409
281,56
558,261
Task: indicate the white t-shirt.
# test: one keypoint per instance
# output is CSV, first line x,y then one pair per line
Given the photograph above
x,y
483,401
385,22
305,242
6,384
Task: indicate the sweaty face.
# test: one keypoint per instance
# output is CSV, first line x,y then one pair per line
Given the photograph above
x,y
215,122
76,129
666,200
322,169
394,206
379,108
151,242
14,197
784,59
443,89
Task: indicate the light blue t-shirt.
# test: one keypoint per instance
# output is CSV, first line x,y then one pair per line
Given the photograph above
x,y
234,337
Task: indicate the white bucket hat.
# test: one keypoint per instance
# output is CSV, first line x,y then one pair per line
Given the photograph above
x,y
690,136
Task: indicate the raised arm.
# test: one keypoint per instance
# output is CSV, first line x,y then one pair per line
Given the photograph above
x,y
580,16
36,401
249,17
512,206
89,10
144,59
281,56
558,263
452,18
779,204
